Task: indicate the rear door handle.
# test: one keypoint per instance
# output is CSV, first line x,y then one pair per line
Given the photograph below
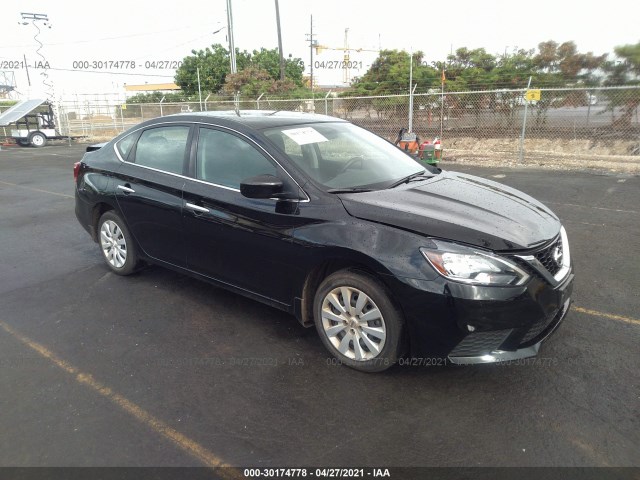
x,y
196,208
126,189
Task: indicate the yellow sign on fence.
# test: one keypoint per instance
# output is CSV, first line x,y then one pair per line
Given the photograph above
x,y
532,95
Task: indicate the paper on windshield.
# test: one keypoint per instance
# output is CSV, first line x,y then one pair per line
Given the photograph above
x,y
303,136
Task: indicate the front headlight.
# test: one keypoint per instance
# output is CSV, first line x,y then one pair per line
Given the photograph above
x,y
467,265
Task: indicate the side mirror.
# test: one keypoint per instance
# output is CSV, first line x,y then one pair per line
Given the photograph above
x,y
262,186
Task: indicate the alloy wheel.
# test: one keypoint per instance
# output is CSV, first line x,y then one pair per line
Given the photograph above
x,y
353,323
114,245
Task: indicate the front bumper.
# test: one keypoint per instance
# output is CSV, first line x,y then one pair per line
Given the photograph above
x,y
473,324
472,351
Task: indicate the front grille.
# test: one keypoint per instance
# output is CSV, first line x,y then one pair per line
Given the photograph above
x,y
480,343
538,328
547,256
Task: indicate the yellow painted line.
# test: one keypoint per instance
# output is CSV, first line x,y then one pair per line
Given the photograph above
x,y
178,439
595,313
36,189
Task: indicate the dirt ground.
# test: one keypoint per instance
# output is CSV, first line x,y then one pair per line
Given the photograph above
x,y
604,155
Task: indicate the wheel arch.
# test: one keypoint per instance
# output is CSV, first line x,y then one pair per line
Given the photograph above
x,y
334,263
98,210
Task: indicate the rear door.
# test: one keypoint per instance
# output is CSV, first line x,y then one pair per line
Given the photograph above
x,y
239,241
149,191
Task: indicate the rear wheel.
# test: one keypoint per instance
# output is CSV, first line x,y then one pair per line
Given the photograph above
x,y
38,139
357,322
116,244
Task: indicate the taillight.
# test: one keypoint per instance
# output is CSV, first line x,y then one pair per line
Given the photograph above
x,y
76,170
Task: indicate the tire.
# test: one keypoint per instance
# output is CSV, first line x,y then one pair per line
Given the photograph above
x,y
378,334
116,244
37,140
22,142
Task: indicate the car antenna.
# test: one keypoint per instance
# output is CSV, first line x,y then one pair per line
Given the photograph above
x,y
273,113
237,110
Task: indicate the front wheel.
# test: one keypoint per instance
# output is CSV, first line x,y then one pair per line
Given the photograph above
x,y
116,244
357,322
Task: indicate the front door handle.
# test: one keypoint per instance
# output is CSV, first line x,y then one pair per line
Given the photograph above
x,y
126,189
196,208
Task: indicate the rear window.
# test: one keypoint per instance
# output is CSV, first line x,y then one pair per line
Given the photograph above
x,y
163,148
124,145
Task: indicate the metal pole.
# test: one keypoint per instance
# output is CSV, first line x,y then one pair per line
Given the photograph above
x,y
524,126
280,41
311,49
205,102
199,90
410,91
442,102
26,67
325,102
232,46
115,122
232,53
162,100
258,101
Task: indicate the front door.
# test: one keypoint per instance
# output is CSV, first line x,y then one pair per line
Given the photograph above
x,y
236,240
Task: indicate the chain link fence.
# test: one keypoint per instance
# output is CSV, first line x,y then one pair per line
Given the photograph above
x,y
592,124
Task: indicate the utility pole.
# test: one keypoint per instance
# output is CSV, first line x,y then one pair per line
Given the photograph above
x,y
232,54
232,46
312,44
280,41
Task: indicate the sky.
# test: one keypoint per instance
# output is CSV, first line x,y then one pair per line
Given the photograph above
x,y
144,31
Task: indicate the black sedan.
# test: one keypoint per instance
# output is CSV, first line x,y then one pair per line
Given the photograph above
x,y
311,214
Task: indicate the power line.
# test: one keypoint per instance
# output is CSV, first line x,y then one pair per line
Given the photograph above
x,y
74,42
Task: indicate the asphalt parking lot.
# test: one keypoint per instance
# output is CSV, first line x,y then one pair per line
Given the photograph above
x,y
159,369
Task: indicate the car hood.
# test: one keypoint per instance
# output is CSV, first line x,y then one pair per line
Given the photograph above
x,y
462,208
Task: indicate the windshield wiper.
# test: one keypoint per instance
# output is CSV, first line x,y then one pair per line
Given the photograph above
x,y
349,190
408,178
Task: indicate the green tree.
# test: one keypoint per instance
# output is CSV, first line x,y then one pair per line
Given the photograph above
x,y
471,70
624,71
156,97
389,74
561,64
269,60
214,66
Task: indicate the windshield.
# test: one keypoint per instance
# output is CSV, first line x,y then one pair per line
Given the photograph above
x,y
343,156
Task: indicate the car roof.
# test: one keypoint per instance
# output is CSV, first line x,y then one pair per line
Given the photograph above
x,y
256,118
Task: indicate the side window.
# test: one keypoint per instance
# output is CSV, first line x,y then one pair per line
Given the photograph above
x,y
225,159
125,144
163,148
